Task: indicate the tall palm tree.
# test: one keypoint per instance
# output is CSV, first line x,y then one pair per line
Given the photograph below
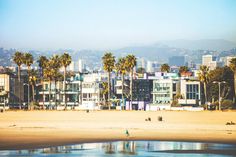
x,y
233,68
65,61
56,64
48,75
42,62
131,62
33,80
18,59
165,68
203,76
108,65
104,91
121,68
28,61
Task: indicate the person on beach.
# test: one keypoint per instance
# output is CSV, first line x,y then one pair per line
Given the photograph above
x,y
127,133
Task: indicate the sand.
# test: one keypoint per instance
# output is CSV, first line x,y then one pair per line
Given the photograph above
x,y
38,129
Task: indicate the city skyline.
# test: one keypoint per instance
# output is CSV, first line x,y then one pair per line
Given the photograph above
x,y
112,24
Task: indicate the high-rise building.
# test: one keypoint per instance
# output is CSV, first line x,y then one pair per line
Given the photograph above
x,y
210,61
152,66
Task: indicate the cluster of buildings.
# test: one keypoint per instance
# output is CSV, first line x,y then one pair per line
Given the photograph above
x,y
84,90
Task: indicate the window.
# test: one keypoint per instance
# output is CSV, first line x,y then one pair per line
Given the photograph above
x,y
192,91
174,87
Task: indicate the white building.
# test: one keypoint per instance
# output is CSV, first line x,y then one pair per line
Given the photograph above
x,y
92,90
152,66
191,92
210,61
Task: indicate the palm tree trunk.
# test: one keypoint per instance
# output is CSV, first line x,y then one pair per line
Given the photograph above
x,y
55,95
234,99
64,87
32,94
29,105
43,97
122,91
50,105
42,76
131,88
205,93
109,89
19,87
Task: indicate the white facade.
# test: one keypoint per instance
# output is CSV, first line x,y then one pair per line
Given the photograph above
x,y
190,91
208,60
92,91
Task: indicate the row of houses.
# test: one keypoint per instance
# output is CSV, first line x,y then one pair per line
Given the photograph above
x,y
85,91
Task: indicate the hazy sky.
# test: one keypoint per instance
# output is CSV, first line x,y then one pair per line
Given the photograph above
x,y
104,24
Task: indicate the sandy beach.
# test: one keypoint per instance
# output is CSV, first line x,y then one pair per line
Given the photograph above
x,y
37,129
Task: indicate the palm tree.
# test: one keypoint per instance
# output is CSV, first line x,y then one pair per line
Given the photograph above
x,y
18,59
28,61
183,69
165,68
203,76
108,65
104,91
43,61
55,64
33,80
131,62
233,68
121,68
48,74
65,61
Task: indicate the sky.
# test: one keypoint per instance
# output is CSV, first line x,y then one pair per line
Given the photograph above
x,y
109,24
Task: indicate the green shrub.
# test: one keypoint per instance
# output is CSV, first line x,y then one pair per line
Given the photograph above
x,y
175,103
227,104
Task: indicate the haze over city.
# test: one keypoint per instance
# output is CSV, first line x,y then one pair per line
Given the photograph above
x,y
110,24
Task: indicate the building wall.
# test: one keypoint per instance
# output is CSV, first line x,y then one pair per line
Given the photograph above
x,y
164,90
191,92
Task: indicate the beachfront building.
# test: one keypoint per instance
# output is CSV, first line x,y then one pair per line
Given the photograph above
x,y
53,97
11,91
142,94
92,97
190,90
164,91
118,92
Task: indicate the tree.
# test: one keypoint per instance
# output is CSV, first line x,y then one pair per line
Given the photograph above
x,y
108,65
32,81
165,68
121,68
104,91
183,69
42,62
18,59
48,74
221,74
233,68
131,62
28,61
203,77
141,70
65,61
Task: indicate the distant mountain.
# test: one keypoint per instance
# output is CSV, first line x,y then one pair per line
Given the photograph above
x,y
152,52
205,44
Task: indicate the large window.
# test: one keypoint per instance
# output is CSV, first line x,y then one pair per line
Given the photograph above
x,y
192,91
162,86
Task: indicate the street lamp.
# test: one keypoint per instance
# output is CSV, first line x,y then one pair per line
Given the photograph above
x,y
219,83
